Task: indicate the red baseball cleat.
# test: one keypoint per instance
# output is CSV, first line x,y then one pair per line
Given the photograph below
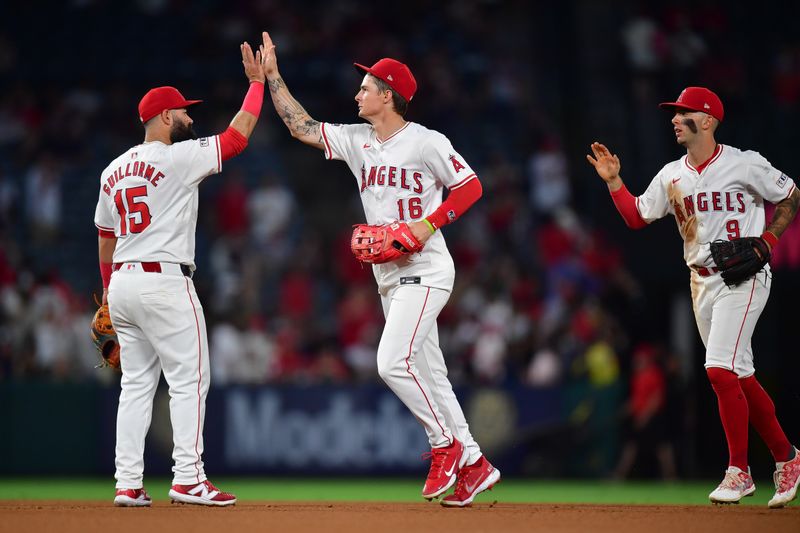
x,y
787,480
203,493
445,464
132,498
472,480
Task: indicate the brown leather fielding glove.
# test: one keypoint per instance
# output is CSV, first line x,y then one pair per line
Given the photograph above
x,y
105,338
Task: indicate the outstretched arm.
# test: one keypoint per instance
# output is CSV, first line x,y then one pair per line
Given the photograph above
x,y
297,119
234,140
608,166
245,120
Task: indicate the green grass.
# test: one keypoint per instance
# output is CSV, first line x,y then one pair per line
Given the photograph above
x,y
391,490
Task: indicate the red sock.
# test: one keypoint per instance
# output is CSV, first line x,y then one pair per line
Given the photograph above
x,y
733,412
762,416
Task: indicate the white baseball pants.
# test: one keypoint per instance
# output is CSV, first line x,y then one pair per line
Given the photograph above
x,y
726,318
412,364
160,326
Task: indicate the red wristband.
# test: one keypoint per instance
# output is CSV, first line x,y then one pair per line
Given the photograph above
x,y
771,239
625,203
254,98
105,273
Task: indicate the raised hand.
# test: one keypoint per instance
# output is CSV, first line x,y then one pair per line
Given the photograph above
x,y
604,162
268,57
253,68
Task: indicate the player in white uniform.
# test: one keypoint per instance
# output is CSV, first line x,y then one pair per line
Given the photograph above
x,y
146,217
718,192
400,169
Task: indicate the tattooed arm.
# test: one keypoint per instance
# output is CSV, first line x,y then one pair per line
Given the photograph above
x,y
784,213
297,119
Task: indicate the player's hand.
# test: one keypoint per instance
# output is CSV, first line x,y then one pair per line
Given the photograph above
x,y
104,301
268,58
604,162
253,68
420,230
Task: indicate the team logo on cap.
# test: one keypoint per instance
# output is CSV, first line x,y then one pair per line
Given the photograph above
x,y
706,106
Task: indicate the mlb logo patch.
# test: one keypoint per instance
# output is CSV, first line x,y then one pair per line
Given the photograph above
x,y
782,180
203,141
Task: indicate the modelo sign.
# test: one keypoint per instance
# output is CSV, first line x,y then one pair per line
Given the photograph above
x,y
317,429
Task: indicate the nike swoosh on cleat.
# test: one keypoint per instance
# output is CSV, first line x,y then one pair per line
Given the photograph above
x,y
449,473
471,488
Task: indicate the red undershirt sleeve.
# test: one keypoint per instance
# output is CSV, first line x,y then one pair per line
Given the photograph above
x,y
626,205
231,143
458,202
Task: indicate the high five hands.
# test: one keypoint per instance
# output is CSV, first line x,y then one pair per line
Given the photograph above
x,y
270,60
253,64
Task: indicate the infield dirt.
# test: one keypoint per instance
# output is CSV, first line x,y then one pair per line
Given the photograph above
x,y
88,517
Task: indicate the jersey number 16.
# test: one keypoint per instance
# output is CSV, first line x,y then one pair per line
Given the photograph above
x,y
414,208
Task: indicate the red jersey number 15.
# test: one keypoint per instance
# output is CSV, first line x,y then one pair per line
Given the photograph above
x,y
136,214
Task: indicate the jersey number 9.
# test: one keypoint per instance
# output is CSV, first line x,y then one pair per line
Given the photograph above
x,y
732,226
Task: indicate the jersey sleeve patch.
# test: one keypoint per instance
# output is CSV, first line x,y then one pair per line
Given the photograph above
x,y
457,165
782,180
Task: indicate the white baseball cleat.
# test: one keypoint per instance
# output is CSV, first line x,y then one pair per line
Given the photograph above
x,y
132,498
735,485
203,493
787,480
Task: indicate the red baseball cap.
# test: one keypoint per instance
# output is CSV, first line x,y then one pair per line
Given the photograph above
x,y
161,98
395,73
698,99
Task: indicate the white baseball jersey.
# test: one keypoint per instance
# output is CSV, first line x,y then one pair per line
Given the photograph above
x,y
724,201
148,199
401,178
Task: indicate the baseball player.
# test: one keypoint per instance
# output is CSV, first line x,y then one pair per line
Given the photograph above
x,y
400,168
717,192
146,217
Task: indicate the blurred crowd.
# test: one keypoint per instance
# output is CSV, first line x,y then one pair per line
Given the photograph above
x,y
543,296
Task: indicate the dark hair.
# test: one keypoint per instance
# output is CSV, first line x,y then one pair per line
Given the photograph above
x,y
400,104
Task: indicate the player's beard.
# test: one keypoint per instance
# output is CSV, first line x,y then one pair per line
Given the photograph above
x,y
181,132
